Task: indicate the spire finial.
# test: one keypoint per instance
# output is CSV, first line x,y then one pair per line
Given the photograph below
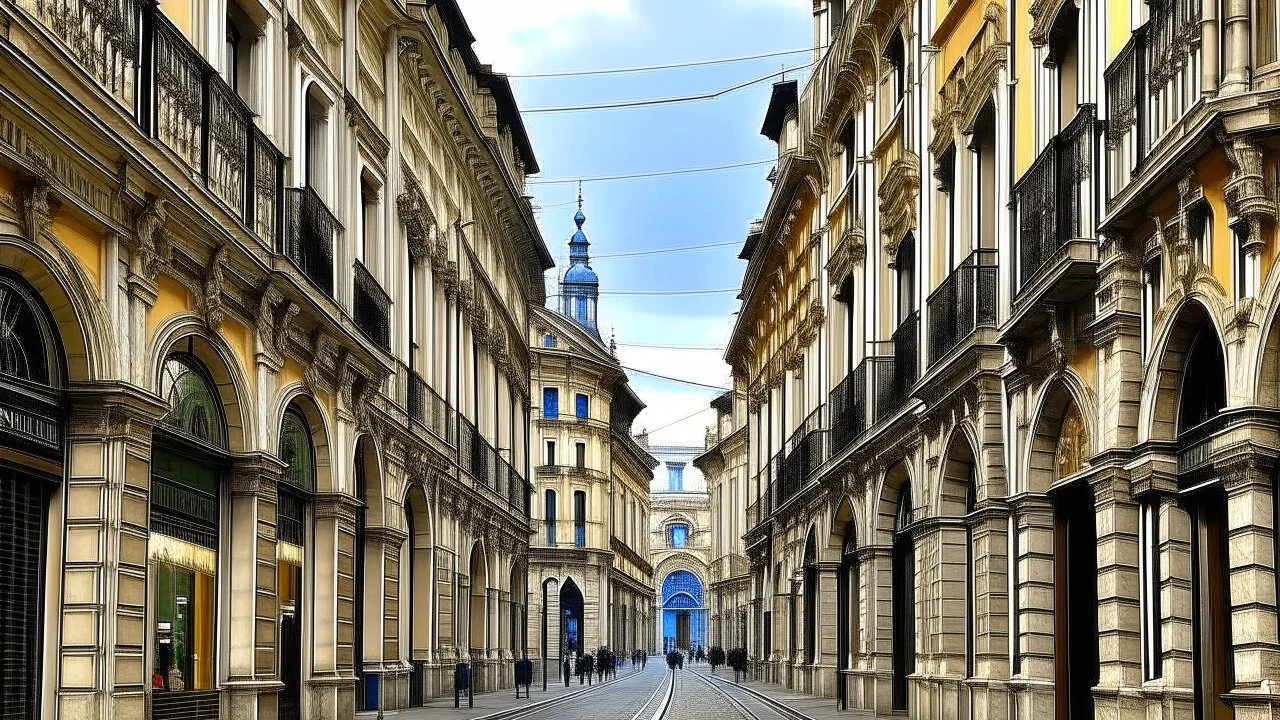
x,y
579,194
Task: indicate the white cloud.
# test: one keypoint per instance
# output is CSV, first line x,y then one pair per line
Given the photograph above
x,y
513,34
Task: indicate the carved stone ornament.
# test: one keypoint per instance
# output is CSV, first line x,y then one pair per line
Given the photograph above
x,y
37,204
417,218
1062,338
1246,192
210,297
152,242
1073,443
313,375
276,317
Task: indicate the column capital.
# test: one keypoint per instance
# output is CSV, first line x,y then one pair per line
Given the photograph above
x,y
255,473
113,409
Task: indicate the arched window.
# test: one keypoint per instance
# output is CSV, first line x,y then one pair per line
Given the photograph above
x,y
1204,380
194,407
32,436
297,450
186,459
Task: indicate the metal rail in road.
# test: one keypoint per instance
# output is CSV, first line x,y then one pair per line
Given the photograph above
x,y
767,708
587,701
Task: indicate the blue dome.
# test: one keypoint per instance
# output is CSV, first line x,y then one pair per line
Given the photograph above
x,y
580,273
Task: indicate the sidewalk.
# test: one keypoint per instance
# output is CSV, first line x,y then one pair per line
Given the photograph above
x,y
498,700
817,708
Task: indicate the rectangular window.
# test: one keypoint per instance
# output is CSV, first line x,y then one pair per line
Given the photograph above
x,y
1149,569
579,518
549,341
580,454
550,402
675,477
551,452
550,517
580,406
1151,296
679,535
837,16
848,143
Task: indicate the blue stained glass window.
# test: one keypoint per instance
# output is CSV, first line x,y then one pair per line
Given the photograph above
x,y
679,535
675,477
550,402
684,585
580,405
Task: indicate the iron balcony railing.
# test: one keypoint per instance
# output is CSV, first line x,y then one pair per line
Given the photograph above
x,y
801,463
1053,198
486,466
308,237
965,301
427,407
371,307
187,105
1151,85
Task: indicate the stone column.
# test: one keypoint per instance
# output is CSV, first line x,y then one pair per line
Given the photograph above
x,y
102,647
253,606
1236,41
990,536
1250,529
1119,614
332,682
825,655
876,571
1033,677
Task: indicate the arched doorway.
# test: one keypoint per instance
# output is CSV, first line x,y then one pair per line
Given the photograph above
x,y
810,598
1075,558
419,561
1202,398
683,614
293,522
367,601
478,624
518,637
32,377
904,597
189,457
571,619
847,601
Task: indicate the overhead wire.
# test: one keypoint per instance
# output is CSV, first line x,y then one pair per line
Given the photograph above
x,y
690,416
649,102
660,346
663,251
670,292
655,173
668,66
682,381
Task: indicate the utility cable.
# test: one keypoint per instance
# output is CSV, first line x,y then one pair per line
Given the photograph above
x,y
690,416
663,251
675,379
656,173
658,346
670,66
670,292
649,102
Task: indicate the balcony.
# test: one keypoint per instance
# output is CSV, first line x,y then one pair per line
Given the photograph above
x,y
805,452
1152,86
308,237
371,308
1057,251
427,407
965,301
487,468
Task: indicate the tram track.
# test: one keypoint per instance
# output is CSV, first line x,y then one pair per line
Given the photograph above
x,y
590,700
766,708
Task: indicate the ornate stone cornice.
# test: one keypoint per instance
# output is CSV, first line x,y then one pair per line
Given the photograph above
x,y
366,129
416,215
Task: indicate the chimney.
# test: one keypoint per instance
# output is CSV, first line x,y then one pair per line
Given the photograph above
x,y
643,439
711,437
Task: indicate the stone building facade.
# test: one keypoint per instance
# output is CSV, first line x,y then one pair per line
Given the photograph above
x,y
680,547
265,273
1007,343
724,465
591,584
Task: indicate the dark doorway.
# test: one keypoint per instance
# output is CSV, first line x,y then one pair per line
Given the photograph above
x,y
846,611
571,627
1075,569
904,594
1210,607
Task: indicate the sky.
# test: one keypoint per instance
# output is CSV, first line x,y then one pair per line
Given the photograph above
x,y
539,36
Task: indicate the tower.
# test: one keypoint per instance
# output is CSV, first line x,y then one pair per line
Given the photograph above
x,y
580,288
